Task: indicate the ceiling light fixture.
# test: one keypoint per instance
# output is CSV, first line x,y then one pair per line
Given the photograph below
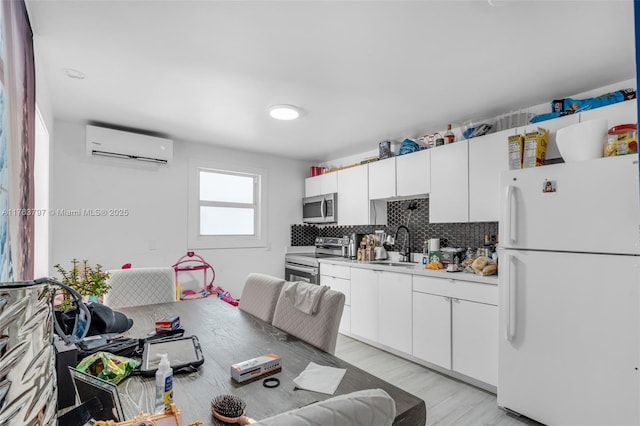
x,y
284,112
71,73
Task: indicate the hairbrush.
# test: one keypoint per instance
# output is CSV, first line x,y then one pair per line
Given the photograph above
x,y
230,409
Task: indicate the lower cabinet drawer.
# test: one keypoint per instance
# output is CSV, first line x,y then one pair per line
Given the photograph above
x,y
432,285
338,271
476,292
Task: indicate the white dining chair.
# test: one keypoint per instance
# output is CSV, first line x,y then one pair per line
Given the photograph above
x,y
370,407
319,329
260,295
140,286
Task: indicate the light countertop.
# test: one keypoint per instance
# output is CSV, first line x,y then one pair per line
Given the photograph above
x,y
416,269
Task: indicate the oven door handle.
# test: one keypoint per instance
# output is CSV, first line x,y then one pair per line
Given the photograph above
x,y
311,271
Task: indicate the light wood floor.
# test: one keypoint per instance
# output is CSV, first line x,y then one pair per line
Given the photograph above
x,y
449,401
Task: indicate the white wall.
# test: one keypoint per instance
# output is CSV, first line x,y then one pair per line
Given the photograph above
x,y
536,109
155,231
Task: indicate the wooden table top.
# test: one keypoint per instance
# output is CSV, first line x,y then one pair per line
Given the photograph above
x,y
228,336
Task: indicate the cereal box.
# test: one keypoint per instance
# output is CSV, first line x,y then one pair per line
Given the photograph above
x,y
515,151
535,148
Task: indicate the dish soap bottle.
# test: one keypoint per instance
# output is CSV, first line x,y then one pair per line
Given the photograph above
x,y
164,385
449,136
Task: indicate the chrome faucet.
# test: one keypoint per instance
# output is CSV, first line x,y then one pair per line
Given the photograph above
x,y
405,253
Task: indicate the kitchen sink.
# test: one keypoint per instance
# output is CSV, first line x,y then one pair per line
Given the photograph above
x,y
391,263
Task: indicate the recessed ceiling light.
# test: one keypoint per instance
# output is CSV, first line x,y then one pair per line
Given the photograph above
x,y
71,73
284,112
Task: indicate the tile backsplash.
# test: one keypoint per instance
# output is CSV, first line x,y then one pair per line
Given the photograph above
x,y
417,220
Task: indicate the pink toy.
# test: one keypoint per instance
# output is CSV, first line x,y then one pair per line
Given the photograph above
x,y
193,262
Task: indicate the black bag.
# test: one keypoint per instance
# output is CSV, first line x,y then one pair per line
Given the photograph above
x,y
103,320
85,320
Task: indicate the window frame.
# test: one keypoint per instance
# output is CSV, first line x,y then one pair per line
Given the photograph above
x,y
197,241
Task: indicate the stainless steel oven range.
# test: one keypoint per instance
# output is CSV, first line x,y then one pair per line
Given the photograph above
x,y
306,267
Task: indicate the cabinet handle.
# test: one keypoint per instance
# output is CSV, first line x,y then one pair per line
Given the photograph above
x,y
446,298
510,299
510,223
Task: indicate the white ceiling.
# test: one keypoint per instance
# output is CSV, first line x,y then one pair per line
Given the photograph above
x,y
362,71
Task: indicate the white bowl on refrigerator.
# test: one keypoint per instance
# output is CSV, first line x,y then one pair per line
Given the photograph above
x,y
582,141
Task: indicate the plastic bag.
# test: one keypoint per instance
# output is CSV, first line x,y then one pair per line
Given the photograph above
x,y
408,146
107,366
567,106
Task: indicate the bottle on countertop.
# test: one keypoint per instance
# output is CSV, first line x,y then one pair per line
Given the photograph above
x,y
449,136
164,385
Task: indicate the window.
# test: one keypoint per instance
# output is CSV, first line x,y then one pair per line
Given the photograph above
x,y
225,208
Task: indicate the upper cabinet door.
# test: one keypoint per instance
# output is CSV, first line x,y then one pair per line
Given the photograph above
x,y
488,157
382,179
353,196
312,186
449,197
413,175
320,185
329,183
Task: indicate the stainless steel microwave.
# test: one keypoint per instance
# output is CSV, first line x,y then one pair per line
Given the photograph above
x,y
320,209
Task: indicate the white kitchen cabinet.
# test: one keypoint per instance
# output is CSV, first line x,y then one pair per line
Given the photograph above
x,y
382,179
394,311
381,307
338,284
338,277
364,303
413,175
455,326
488,157
344,286
432,328
353,196
319,185
449,196
615,114
474,334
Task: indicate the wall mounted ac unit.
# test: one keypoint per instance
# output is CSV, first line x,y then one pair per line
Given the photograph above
x,y
118,144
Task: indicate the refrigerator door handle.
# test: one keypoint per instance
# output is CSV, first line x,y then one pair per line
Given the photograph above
x,y
510,316
510,222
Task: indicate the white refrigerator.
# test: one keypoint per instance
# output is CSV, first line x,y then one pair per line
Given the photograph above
x,y
569,317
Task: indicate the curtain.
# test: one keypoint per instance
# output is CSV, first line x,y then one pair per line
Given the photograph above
x,y
17,142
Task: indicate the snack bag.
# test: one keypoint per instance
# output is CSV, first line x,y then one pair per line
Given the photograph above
x,y
107,366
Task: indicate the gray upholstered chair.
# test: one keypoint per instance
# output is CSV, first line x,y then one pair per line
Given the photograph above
x,y
319,329
371,407
140,286
260,294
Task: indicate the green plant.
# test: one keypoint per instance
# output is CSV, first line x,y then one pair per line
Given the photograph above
x,y
85,279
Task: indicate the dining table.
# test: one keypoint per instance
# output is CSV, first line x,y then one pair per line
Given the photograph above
x,y
227,336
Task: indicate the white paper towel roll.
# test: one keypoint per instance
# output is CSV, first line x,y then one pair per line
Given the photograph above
x,y
434,244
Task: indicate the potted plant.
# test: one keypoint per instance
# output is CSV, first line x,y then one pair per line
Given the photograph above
x,y
90,281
